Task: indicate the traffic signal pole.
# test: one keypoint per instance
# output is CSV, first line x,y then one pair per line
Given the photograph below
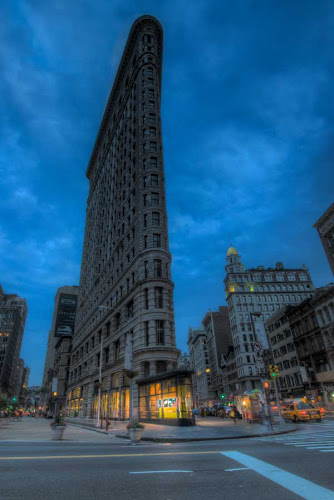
x,y
281,419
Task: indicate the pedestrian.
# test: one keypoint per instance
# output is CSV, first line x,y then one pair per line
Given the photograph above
x,y
233,414
223,413
107,423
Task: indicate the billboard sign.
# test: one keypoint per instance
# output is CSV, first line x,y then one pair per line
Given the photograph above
x,y
65,321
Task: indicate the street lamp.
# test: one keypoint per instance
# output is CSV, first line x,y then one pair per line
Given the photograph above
x,y
130,374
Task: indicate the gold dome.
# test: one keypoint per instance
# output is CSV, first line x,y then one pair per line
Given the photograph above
x,y
231,251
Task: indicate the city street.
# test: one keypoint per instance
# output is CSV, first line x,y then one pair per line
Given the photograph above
x,y
91,465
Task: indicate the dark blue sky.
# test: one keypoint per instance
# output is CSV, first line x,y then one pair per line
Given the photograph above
x,y
248,124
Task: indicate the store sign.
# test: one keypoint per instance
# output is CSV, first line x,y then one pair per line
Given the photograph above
x,y
167,403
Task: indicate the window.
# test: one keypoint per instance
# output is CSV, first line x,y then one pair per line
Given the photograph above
x,y
117,320
153,146
154,162
153,132
150,71
158,297
107,330
150,92
146,298
156,240
146,268
147,333
151,118
160,332
157,268
145,200
154,180
155,219
117,350
106,355
150,104
129,308
145,220
155,199
145,241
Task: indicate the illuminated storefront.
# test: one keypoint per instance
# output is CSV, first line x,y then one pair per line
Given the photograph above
x,y
166,399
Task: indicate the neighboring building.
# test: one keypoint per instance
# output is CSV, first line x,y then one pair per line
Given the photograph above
x,y
13,314
228,365
284,354
61,369
18,379
325,228
219,340
125,307
63,322
253,295
199,364
184,361
312,326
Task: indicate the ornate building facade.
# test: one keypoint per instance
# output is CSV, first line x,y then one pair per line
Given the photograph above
x,y
253,295
125,307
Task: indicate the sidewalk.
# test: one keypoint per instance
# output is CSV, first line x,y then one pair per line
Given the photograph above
x,y
206,429
38,430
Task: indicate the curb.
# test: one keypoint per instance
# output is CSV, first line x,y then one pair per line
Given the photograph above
x,y
88,428
189,440
186,440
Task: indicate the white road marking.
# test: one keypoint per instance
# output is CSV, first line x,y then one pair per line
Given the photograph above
x,y
321,447
158,471
238,468
302,487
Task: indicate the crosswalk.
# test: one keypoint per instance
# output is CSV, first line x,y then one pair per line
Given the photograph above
x,y
311,436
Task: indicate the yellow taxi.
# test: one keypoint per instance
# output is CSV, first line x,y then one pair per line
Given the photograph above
x,y
300,411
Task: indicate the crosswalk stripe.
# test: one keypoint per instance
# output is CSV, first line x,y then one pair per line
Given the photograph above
x,y
310,438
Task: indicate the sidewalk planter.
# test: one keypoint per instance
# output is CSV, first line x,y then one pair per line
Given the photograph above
x,y
57,432
135,435
135,431
58,427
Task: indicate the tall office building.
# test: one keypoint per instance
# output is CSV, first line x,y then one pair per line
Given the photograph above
x,y
125,306
13,314
253,295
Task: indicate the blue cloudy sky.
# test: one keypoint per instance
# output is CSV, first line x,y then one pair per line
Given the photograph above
x,y
248,124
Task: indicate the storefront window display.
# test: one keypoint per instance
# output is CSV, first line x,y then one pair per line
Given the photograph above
x,y
168,399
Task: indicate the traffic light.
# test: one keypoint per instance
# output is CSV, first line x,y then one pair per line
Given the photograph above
x,y
222,396
273,371
266,384
14,398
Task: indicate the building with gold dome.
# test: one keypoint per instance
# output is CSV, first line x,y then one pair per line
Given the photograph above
x,y
252,296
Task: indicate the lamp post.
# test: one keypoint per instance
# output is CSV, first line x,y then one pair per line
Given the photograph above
x,y
130,372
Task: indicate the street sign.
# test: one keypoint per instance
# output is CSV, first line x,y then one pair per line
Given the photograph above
x,y
259,361
257,346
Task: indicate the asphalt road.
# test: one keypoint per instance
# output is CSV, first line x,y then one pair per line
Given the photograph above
x,y
275,468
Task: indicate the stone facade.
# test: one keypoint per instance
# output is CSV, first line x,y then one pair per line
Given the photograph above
x,y
284,354
13,314
312,326
261,292
325,228
126,261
